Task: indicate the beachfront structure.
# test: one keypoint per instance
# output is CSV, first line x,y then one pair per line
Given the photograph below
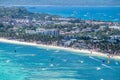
x,y
49,32
30,31
115,27
115,37
102,27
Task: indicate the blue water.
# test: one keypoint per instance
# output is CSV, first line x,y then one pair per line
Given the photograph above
x,y
85,13
37,63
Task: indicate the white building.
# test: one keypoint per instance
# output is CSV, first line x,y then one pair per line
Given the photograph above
x,y
30,31
115,37
50,32
114,27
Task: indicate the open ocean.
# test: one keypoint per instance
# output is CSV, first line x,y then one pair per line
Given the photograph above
x,y
20,62
84,13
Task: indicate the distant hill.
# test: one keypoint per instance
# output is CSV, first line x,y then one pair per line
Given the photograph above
x,y
62,2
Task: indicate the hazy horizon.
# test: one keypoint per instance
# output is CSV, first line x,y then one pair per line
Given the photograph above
x,y
59,3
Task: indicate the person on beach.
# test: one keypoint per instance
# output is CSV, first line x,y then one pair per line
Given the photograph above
x,y
108,58
91,51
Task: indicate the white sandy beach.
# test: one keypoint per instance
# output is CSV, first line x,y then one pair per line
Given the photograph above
x,y
94,53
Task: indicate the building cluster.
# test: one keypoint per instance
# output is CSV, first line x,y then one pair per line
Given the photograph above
x,y
26,23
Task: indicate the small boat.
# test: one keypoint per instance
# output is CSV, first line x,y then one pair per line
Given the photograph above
x,y
33,54
57,51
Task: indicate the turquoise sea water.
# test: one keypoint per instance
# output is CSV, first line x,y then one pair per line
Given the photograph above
x,y
37,63
85,13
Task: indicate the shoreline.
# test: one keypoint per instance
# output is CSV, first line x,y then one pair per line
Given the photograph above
x,y
94,53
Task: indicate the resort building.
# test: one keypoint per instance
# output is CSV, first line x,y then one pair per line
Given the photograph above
x,y
115,37
30,31
50,32
115,27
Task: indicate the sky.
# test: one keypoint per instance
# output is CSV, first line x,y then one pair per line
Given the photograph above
x,y
62,2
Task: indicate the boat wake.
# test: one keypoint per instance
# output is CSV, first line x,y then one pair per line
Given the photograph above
x,y
94,59
23,55
107,66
